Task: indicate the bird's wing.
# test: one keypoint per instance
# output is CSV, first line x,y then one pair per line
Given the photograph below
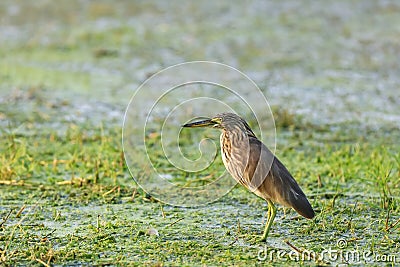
x,y
268,178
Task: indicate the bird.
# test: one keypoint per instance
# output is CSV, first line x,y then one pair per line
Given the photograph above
x,y
255,167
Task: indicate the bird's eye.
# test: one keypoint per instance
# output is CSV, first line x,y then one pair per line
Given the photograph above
x,y
217,120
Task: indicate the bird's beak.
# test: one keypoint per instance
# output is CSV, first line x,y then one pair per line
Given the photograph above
x,y
203,123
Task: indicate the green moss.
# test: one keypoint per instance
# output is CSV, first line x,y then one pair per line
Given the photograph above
x,y
66,195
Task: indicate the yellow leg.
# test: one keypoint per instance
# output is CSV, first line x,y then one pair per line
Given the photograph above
x,y
271,216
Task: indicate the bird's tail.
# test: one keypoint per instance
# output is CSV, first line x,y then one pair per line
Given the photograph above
x,y
303,207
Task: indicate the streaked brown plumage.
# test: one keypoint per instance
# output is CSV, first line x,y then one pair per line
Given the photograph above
x,y
254,166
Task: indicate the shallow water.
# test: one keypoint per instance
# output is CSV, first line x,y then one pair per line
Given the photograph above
x,y
329,62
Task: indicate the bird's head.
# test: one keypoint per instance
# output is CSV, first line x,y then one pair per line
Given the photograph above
x,y
224,121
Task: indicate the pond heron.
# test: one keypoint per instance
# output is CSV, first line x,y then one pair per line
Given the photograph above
x,y
254,166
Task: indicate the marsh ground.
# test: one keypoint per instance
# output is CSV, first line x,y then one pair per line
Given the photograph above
x,y
330,71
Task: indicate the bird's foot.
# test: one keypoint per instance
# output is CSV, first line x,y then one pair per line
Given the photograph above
x,y
262,239
255,239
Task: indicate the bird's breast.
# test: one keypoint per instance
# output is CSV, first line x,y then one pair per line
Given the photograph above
x,y
226,148
234,157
